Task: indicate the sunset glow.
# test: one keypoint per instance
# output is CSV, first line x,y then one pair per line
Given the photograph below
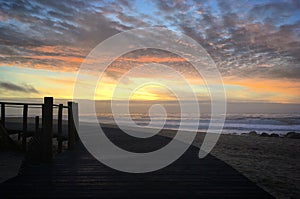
x,y
255,45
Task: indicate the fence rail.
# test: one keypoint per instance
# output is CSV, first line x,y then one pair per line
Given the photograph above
x,y
46,134
17,104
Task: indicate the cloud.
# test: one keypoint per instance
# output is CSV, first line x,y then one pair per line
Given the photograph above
x,y
241,41
275,12
19,88
241,37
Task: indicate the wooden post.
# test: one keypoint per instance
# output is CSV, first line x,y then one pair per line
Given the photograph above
x,y
37,124
37,137
59,126
76,120
3,114
71,126
47,133
24,135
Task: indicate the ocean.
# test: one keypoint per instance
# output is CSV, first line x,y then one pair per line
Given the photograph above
x,y
234,123
240,117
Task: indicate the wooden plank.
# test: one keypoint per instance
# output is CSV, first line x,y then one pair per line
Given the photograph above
x,y
47,129
59,128
24,129
77,173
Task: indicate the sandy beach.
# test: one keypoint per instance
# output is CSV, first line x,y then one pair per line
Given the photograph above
x,y
270,162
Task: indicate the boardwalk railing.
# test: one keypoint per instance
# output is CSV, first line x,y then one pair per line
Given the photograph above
x,y
46,133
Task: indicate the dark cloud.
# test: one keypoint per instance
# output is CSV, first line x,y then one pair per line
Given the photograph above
x,y
242,43
126,3
275,12
19,88
62,24
257,38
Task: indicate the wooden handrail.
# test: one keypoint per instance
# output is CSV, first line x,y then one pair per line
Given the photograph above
x,y
20,104
57,105
46,134
29,104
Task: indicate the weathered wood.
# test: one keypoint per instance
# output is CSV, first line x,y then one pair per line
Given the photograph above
x,y
24,130
47,129
21,103
59,126
76,120
77,174
3,115
46,134
37,124
71,126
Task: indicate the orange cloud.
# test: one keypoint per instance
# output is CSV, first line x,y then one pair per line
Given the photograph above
x,y
153,59
58,49
60,58
274,90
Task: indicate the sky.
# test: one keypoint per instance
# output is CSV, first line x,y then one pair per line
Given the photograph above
x,y
255,45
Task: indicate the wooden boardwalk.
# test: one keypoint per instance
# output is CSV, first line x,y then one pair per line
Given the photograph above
x,y
76,173
41,132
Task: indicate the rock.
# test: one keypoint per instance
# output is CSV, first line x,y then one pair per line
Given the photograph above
x,y
274,135
264,134
293,135
252,133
